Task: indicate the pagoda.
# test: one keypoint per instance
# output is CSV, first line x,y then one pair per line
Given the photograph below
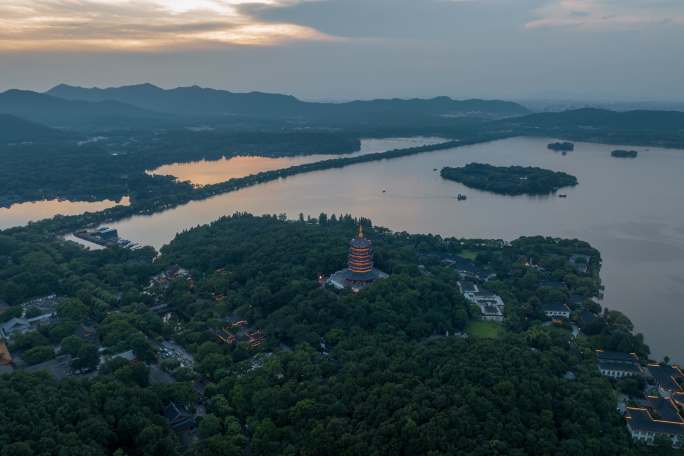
x,y
360,271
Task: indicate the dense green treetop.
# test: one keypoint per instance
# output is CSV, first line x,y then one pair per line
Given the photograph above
x,y
509,180
43,416
340,372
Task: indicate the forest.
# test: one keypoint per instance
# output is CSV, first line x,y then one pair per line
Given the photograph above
x,y
113,166
509,180
389,370
117,413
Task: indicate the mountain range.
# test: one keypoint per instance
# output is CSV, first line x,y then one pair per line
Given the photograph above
x,y
202,103
147,106
15,129
59,112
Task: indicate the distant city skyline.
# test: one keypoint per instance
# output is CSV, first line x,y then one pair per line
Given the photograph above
x,y
591,50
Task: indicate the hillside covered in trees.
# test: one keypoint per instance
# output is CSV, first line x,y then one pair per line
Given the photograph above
x,y
391,370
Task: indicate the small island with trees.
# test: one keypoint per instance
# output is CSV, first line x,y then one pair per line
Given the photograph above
x,y
620,153
561,146
509,180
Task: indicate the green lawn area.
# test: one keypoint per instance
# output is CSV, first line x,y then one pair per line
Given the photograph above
x,y
484,329
468,254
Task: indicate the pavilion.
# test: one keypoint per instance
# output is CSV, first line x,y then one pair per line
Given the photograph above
x,y
360,271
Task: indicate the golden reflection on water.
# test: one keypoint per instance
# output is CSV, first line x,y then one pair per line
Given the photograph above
x,y
22,213
207,172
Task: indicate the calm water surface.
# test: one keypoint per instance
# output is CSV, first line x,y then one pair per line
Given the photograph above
x,y
23,213
206,172
631,210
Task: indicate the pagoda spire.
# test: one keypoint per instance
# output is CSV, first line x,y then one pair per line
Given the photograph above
x,y
360,235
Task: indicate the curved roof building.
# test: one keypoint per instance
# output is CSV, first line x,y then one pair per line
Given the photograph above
x,y
360,270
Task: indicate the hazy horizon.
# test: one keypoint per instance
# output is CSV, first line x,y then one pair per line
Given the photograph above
x,y
600,50
532,103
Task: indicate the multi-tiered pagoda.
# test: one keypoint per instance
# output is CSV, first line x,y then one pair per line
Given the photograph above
x,y
360,271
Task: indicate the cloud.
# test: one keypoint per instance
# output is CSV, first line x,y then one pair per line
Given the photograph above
x,y
431,21
607,14
142,25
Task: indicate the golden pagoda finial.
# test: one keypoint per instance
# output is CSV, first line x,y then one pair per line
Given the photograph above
x,y
360,236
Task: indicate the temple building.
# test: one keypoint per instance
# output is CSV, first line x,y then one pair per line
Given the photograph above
x,y
360,271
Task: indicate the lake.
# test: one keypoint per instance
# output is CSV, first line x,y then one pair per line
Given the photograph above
x,y
631,210
207,172
202,172
22,213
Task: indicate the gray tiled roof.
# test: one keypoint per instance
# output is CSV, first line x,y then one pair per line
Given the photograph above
x,y
605,355
668,377
554,307
659,415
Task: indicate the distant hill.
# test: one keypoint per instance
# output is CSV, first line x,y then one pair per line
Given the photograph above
x,y
619,106
641,127
443,107
602,118
15,129
198,101
185,101
58,112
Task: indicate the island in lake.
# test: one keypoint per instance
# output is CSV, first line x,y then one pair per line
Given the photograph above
x,y
620,153
561,146
509,180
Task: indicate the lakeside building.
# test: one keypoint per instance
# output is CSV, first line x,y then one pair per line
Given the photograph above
x,y
618,365
360,271
15,326
179,418
45,307
491,305
107,234
468,287
490,311
656,417
34,314
668,379
468,270
552,310
163,280
105,237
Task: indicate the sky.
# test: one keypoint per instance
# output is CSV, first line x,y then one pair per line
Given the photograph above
x,y
617,50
